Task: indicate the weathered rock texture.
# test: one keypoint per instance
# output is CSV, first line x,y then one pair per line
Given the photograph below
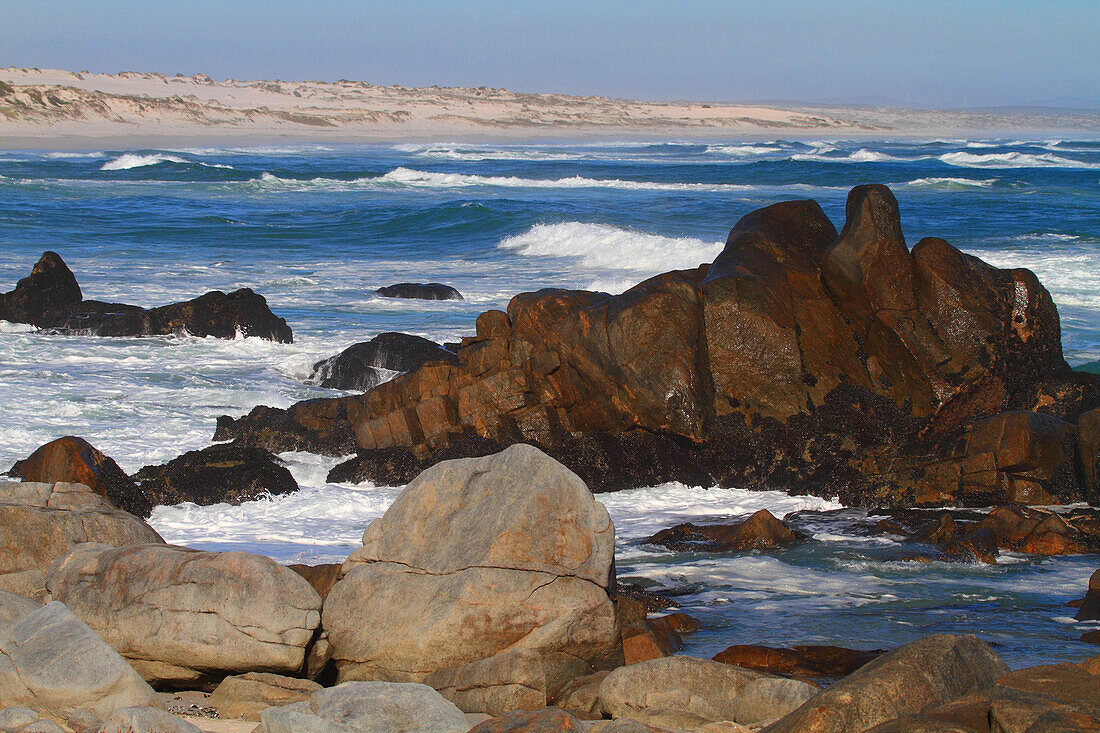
x,y
185,617
53,663
41,522
368,707
481,555
761,531
907,681
229,473
365,365
75,460
799,661
245,696
844,364
50,298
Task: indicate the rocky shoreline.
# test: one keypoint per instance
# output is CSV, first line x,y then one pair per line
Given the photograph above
x,y
924,383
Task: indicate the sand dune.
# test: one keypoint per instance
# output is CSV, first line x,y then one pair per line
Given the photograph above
x,y
46,108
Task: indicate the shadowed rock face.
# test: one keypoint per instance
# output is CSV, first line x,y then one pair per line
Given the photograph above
x,y
368,364
844,364
75,460
50,298
420,291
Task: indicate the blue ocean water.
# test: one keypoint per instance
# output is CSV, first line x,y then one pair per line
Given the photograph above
x,y
317,228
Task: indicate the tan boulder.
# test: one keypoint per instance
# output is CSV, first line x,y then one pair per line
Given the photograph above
x,y
245,696
512,680
184,617
475,557
41,522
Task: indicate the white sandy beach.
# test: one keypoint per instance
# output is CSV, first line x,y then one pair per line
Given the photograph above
x,y
46,108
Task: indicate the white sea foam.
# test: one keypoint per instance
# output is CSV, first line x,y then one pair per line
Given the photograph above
x,y
863,155
411,177
128,161
9,327
739,151
602,247
948,184
1012,159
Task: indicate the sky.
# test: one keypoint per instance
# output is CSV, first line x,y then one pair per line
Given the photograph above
x,y
921,53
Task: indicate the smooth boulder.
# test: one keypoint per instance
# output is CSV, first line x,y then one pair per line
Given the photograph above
x,y
74,460
420,291
482,555
146,719
185,617
907,681
365,365
368,707
53,663
245,696
41,522
684,692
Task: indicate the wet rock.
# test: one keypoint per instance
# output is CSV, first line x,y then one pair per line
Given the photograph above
x,y
365,365
230,473
683,692
54,664
244,697
51,299
75,460
845,365
420,291
229,612
146,720
1090,604
761,531
41,522
799,661
968,543
478,564
1034,531
550,720
907,681
321,577
1088,427
368,707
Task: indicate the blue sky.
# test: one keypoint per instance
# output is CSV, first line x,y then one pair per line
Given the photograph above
x,y
935,53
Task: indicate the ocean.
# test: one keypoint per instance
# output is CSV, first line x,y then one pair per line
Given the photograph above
x,y
317,228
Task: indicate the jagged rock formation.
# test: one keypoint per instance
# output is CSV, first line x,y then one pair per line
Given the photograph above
x,y
367,364
841,364
50,298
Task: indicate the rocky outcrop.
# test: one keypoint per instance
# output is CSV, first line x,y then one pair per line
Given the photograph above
x,y
75,460
146,719
1089,610
365,365
907,681
49,298
803,662
550,720
229,473
244,697
687,693
420,291
184,617
41,522
368,707
482,555
502,683
54,664
761,531
844,364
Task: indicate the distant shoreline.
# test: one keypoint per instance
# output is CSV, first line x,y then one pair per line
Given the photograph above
x,y
60,110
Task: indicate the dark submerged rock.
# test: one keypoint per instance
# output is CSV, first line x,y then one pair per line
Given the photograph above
x,y
761,531
1089,609
75,460
366,365
420,291
50,298
845,365
230,473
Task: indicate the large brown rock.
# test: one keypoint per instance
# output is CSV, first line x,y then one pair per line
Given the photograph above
x,y
761,531
50,298
75,460
481,555
1090,604
801,661
184,617
839,364
244,697
41,522
907,681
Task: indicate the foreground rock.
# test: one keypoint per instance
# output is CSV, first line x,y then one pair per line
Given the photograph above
x,y
146,720
761,531
841,364
420,291
683,692
49,298
184,617
75,460
370,363
244,697
507,552
54,664
804,662
231,473
550,720
907,681
41,522
368,707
